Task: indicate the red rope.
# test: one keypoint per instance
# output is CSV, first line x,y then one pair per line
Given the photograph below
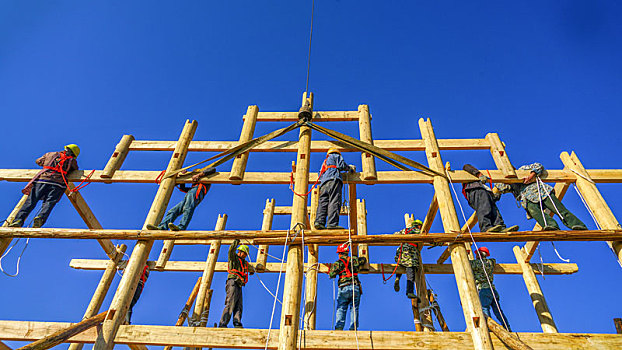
x,y
82,184
291,185
489,179
399,258
159,178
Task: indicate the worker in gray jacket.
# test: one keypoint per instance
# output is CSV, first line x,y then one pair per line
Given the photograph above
x,y
331,185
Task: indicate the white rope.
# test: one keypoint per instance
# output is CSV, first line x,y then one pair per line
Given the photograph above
x,y
354,307
304,284
19,258
278,284
538,184
583,176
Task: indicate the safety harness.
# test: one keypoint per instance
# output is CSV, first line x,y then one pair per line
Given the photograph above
x,y
242,274
322,171
143,277
348,272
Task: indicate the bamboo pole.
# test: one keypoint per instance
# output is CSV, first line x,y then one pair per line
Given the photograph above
x,y
416,317
368,162
471,306
248,129
506,337
62,335
102,289
312,271
121,300
266,225
118,156
183,315
4,242
288,334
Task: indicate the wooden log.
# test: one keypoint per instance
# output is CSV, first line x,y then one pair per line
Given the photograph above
x,y
469,298
368,162
287,210
430,215
118,156
266,225
183,315
363,249
499,155
62,335
465,228
137,347
248,129
4,242
535,292
352,216
125,291
414,305
506,337
326,116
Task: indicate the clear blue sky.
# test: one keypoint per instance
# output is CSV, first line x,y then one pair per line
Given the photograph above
x,y
545,75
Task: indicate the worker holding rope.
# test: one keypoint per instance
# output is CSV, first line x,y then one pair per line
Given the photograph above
x,y
538,199
349,286
408,256
331,185
48,185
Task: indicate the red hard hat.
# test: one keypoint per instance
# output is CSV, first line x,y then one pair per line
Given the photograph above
x,y
343,248
484,250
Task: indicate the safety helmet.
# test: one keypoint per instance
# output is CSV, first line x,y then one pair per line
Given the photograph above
x,y
483,250
416,223
343,248
74,149
333,150
243,248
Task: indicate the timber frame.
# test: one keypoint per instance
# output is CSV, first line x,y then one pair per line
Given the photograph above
x,y
302,212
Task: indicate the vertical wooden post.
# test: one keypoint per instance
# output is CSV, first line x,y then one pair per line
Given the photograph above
x,y
313,258
594,200
288,333
367,160
361,222
497,149
101,290
422,289
352,208
471,306
248,129
121,301
4,242
266,225
118,156
535,292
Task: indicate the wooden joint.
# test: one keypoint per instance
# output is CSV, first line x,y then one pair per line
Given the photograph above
x,y
434,154
176,155
110,314
288,320
476,321
115,154
212,251
303,156
501,153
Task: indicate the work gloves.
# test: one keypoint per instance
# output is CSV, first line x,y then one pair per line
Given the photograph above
x,y
483,178
352,168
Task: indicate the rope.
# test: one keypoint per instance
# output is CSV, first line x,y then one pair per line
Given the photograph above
x,y
309,54
160,176
399,258
354,307
82,184
278,284
19,258
538,184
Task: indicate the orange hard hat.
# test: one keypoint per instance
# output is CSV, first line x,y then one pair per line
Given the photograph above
x,y
483,250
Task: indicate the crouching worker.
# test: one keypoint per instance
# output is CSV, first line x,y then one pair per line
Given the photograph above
x,y
349,286
48,185
237,278
408,256
331,183
483,269
137,293
185,208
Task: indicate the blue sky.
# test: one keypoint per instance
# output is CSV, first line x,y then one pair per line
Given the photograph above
x,y
545,75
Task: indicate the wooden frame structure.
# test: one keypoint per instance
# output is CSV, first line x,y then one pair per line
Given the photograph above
x,y
302,212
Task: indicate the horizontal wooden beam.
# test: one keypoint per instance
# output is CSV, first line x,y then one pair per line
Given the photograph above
x,y
310,339
374,268
320,116
287,210
316,146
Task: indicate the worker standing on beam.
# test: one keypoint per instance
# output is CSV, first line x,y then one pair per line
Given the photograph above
x,y
185,208
481,198
237,278
408,256
539,200
350,289
48,185
331,184
483,269
137,293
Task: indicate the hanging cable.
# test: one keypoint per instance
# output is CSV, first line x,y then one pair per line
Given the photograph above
x,y
354,307
309,54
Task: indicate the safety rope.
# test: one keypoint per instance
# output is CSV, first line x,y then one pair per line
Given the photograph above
x,y
399,258
354,307
19,258
544,217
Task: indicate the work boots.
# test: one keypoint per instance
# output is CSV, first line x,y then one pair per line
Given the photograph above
x,y
496,228
512,228
16,223
173,227
396,285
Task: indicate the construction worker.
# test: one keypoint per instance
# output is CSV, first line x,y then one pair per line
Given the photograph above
x,y
408,256
349,286
137,293
185,208
331,185
539,200
237,278
48,185
483,268
481,198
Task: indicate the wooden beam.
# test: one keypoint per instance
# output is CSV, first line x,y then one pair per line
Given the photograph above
x,y
500,156
352,216
266,225
287,210
118,156
361,212
327,116
465,228
125,291
137,347
313,339
430,215
248,129
469,298
535,292
509,339
183,315
618,324
62,335
4,242
367,160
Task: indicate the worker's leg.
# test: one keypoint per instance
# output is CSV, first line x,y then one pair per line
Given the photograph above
x,y
137,293
487,212
191,200
30,203
322,206
334,205
344,299
396,284
354,314
229,303
237,307
410,280
172,214
51,194
485,298
568,218
496,308
544,221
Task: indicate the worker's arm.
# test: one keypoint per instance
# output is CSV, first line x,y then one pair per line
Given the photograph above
x,y
73,166
536,170
335,269
232,249
340,163
41,160
473,171
206,172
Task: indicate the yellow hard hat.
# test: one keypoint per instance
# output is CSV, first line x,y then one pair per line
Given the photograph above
x,y
74,149
333,150
243,248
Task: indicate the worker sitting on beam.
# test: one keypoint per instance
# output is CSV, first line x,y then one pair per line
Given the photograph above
x,y
185,208
483,268
331,184
408,256
481,198
350,289
539,199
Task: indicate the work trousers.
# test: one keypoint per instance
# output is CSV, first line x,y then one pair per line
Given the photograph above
x,y
137,293
185,208
551,202
41,191
488,214
233,304
344,300
489,298
329,204
412,279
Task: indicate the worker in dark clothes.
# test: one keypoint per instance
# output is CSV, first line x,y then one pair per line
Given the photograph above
x,y
481,198
237,278
408,256
48,185
483,272
331,185
185,208
349,286
137,293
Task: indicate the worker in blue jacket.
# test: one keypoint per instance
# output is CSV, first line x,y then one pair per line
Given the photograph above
x,y
331,185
